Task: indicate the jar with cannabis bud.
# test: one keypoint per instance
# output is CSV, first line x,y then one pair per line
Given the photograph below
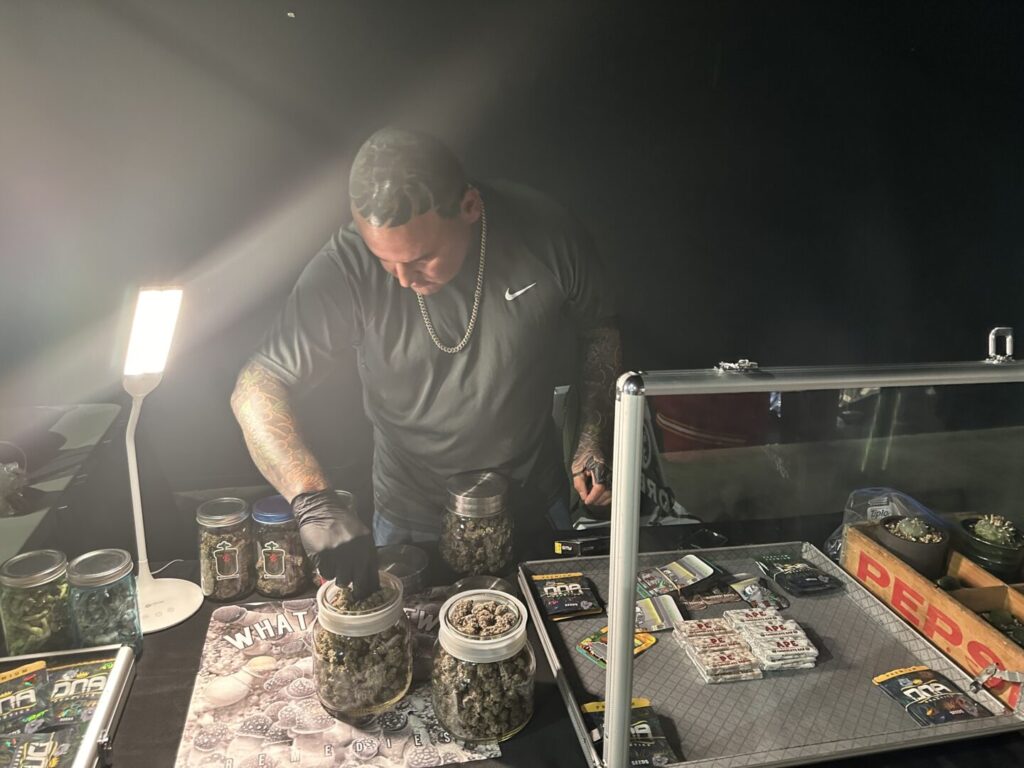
x,y
362,650
483,677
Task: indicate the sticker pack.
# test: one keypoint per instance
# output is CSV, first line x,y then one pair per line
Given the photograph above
x,y
595,645
683,575
55,749
44,711
756,593
75,689
796,576
929,697
24,699
654,614
566,595
648,745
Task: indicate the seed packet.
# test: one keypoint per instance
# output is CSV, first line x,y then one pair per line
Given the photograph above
x,y
56,749
756,592
654,614
796,576
566,595
75,690
929,697
654,581
595,645
648,745
689,573
24,705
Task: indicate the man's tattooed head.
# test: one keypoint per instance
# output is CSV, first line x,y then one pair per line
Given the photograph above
x,y
399,174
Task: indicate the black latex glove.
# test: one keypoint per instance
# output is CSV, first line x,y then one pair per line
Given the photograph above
x,y
337,542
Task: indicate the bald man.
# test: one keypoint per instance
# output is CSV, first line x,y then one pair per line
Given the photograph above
x,y
449,292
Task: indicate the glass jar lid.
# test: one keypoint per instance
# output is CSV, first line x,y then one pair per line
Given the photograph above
x,y
273,510
99,568
482,650
222,512
477,494
32,569
359,623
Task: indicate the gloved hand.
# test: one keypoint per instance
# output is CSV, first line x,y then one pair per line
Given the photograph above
x,y
337,542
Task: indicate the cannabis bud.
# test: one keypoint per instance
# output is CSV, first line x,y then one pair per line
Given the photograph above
x,y
362,650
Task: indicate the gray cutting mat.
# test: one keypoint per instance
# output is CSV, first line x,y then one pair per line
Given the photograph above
x,y
787,718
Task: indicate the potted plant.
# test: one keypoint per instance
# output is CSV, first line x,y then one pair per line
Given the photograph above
x,y
917,542
995,543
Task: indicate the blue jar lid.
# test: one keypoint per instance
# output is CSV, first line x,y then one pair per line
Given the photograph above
x,y
273,510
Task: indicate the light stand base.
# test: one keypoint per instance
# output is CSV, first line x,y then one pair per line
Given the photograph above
x,y
164,603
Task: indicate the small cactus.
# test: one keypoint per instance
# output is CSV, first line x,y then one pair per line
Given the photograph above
x,y
911,528
914,529
996,529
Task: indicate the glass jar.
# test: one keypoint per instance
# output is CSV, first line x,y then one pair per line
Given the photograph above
x,y
227,554
362,652
483,667
104,600
282,569
476,533
34,602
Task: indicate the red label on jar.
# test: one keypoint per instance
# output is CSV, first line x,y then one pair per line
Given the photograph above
x,y
273,561
227,561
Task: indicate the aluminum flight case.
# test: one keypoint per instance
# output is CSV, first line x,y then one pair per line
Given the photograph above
x,y
96,744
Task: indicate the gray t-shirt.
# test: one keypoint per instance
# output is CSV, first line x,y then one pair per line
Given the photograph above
x,y
435,414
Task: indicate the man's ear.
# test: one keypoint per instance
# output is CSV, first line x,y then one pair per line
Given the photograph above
x,y
471,206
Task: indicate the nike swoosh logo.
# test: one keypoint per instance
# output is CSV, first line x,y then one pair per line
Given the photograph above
x,y
509,295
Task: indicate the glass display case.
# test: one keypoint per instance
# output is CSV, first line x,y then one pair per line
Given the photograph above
x,y
779,460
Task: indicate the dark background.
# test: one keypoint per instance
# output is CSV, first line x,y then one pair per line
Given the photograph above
x,y
795,183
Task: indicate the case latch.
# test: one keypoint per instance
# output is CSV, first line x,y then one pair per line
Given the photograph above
x,y
105,748
993,345
740,366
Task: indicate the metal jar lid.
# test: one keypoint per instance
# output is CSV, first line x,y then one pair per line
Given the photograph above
x,y
222,512
99,568
477,494
32,569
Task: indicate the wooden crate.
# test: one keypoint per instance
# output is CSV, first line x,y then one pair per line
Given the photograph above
x,y
947,623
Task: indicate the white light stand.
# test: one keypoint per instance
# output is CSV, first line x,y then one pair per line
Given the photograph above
x,y
163,603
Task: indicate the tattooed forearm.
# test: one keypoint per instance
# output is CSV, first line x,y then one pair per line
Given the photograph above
x,y
261,405
602,361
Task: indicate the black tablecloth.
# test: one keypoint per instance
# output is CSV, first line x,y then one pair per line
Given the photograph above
x,y
155,714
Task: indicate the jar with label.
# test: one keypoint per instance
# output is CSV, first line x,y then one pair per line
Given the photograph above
x,y
362,650
227,554
282,569
476,533
34,602
482,683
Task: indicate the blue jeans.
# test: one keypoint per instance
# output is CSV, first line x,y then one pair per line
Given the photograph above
x,y
386,533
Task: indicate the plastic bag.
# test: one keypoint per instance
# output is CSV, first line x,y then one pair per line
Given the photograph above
x,y
875,504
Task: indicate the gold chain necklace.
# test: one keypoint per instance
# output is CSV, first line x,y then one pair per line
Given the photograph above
x,y
476,296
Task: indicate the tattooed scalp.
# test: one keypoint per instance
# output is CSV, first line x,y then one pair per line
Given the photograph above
x,y
399,174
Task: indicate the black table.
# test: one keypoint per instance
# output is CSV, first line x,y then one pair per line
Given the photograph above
x,y
155,714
